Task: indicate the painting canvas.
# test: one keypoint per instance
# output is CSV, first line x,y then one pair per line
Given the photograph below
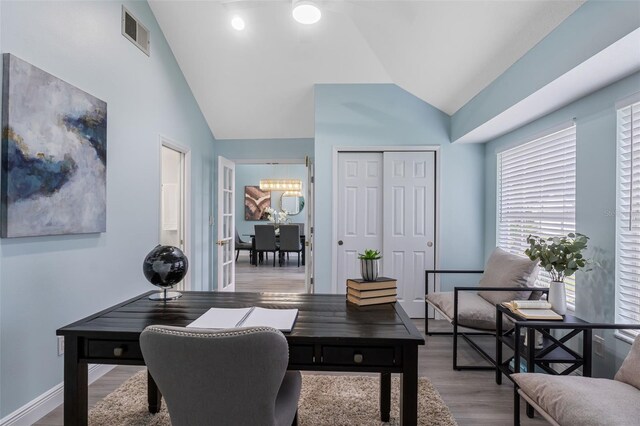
x,y
256,202
54,155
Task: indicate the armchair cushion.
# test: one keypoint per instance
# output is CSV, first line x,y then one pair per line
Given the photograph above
x,y
507,270
473,310
582,401
629,372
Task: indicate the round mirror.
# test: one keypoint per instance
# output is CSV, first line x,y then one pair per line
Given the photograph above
x,y
291,203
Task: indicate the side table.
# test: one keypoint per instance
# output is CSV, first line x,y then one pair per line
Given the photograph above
x,y
554,350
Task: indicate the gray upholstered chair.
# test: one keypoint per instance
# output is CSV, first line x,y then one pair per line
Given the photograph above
x,y
242,245
584,401
223,377
266,241
506,277
290,240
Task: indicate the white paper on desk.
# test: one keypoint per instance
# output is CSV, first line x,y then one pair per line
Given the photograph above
x,y
220,318
282,319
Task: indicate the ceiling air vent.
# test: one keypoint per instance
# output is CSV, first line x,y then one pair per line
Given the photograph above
x,y
137,33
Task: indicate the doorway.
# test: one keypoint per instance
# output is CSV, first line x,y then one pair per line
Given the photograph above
x,y
252,272
386,201
174,193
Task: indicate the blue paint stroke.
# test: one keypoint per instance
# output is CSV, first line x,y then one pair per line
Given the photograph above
x,y
91,127
31,177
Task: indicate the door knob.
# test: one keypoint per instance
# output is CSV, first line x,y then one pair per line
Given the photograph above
x,y
221,242
340,242
429,243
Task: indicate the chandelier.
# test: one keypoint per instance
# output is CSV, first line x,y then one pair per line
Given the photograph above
x,y
281,185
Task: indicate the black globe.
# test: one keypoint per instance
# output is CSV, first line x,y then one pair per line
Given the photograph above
x,y
165,266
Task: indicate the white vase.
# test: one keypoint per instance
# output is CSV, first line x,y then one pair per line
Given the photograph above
x,y
558,297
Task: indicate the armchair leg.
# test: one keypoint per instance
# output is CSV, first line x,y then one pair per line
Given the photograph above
x,y
455,345
237,254
516,407
295,419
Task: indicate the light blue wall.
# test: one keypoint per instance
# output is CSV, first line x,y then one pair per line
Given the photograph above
x,y
264,149
595,117
48,282
590,29
250,174
351,115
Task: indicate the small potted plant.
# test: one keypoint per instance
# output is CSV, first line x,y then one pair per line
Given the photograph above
x,y
369,264
561,257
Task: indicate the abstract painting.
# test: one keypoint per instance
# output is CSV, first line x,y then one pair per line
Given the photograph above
x,y
256,202
54,155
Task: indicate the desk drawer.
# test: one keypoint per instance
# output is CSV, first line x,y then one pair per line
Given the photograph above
x,y
301,354
114,349
348,355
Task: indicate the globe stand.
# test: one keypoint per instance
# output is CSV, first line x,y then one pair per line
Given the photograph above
x,y
166,295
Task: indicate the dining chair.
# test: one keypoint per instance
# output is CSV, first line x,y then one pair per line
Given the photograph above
x,y
266,241
242,245
290,240
225,377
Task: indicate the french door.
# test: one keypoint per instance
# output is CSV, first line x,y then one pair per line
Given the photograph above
x,y
386,201
226,224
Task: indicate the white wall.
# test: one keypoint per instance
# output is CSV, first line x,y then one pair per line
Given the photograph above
x,y
48,282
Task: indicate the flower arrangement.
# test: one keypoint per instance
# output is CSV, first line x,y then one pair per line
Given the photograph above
x,y
560,256
277,217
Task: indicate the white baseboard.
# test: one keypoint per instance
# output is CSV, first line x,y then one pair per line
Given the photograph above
x,y
36,409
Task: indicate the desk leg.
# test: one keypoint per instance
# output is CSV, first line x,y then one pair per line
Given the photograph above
x,y
385,396
154,397
409,386
75,384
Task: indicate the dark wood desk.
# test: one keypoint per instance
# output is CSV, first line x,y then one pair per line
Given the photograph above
x,y
329,335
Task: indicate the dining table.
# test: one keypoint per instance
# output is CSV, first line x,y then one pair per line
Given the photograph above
x,y
254,257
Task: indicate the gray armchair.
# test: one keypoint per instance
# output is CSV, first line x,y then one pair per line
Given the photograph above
x,y
584,401
506,277
243,245
223,377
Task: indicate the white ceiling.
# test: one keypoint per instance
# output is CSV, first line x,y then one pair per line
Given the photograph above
x,y
258,83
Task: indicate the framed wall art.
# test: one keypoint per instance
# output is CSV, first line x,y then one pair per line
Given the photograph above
x,y
54,155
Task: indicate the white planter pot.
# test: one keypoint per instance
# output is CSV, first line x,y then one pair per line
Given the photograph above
x,y
558,297
369,269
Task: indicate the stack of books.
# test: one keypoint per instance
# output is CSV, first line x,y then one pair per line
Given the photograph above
x,y
366,293
533,309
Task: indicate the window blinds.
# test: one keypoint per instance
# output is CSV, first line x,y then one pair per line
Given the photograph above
x,y
537,194
628,218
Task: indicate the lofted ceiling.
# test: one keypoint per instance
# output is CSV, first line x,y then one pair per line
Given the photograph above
x,y
258,83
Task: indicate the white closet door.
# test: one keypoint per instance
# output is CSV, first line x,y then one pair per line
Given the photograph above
x,y
409,224
359,218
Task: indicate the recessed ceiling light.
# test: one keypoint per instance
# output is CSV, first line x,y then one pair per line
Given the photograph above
x,y
237,23
306,12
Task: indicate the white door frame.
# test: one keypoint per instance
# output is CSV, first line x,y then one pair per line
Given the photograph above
x,y
186,180
334,197
309,267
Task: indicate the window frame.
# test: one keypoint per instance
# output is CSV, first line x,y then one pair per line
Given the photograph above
x,y
543,278
633,104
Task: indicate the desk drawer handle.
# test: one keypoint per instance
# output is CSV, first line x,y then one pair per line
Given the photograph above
x,y
118,351
358,358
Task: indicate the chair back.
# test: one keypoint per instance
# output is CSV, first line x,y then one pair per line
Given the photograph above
x,y
230,377
301,225
290,238
238,240
265,237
